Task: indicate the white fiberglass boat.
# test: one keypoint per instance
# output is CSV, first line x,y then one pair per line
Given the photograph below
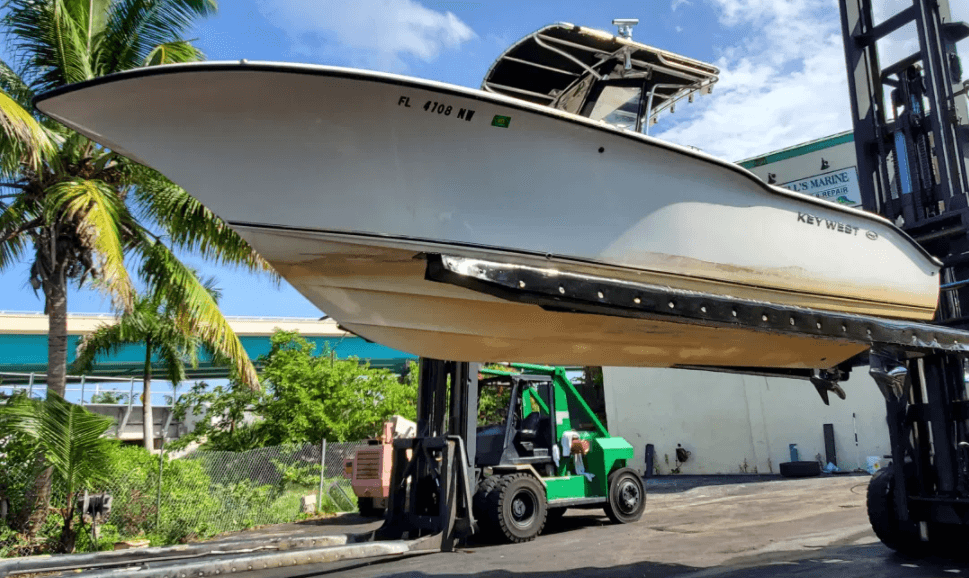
x,y
343,179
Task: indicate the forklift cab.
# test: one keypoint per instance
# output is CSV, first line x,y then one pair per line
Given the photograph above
x,y
515,425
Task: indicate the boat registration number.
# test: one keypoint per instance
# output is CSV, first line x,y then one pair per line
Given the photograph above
x,y
440,108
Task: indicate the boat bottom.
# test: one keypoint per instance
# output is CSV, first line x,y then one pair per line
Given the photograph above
x,y
376,289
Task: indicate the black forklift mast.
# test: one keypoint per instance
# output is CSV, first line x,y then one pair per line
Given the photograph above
x,y
433,474
912,164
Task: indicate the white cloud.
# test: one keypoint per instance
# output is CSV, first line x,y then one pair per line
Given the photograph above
x,y
372,33
677,3
782,83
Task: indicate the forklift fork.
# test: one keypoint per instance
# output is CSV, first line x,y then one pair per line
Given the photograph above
x,y
432,479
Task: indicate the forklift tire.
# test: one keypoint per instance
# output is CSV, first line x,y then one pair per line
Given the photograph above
x,y
479,504
903,537
519,506
367,509
627,496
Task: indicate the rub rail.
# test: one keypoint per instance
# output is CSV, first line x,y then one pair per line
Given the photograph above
x,y
558,290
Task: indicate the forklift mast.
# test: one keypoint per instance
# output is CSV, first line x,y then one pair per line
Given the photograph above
x,y
912,162
912,149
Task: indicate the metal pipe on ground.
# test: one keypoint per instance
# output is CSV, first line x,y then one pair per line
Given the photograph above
x,y
124,557
256,562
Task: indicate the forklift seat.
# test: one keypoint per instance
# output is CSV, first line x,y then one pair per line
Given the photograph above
x,y
529,428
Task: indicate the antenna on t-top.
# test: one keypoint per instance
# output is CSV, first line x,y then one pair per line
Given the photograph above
x,y
626,26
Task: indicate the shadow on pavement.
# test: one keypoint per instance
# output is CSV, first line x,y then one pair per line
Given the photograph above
x,y
868,561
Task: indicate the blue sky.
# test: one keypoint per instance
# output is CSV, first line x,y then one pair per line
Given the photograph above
x,y
782,76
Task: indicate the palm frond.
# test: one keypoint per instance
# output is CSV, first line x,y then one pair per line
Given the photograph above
x,y
23,141
46,38
104,340
193,305
92,17
192,226
98,215
14,86
135,28
15,220
174,359
69,436
173,53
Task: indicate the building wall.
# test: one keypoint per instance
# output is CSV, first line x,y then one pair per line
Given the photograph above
x,y
739,423
824,168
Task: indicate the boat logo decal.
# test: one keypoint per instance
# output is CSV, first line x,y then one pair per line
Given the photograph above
x,y
832,225
440,108
501,121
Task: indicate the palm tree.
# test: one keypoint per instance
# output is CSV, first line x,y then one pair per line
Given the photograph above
x,y
72,440
162,331
83,214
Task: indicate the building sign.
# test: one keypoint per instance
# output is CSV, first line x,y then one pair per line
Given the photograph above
x,y
840,186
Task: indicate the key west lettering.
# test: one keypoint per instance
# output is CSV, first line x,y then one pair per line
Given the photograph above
x,y
827,224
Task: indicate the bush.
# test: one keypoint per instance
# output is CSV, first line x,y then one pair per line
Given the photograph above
x,y
188,505
203,494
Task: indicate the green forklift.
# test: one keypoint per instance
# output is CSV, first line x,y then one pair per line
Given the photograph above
x,y
503,453
542,450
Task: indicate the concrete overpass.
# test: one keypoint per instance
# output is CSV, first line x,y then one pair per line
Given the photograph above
x,y
23,344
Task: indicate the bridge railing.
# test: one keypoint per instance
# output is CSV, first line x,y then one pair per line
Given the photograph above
x,y
90,389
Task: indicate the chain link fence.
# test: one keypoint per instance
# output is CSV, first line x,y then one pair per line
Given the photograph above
x,y
201,494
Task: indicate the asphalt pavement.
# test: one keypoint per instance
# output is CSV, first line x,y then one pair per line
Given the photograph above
x,y
760,528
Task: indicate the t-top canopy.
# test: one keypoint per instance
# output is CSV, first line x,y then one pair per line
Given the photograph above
x,y
546,65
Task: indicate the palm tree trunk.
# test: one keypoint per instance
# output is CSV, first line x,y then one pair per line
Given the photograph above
x,y
37,500
68,530
55,292
147,428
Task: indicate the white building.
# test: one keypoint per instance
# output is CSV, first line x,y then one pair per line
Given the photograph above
x,y
733,423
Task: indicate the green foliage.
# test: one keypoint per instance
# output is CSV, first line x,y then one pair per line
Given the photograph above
x,y
70,439
69,436
202,494
297,475
319,397
223,410
109,398
108,534
189,506
307,398
17,465
493,405
493,402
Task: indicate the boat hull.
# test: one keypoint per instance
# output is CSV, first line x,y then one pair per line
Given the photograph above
x,y
376,288
299,158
